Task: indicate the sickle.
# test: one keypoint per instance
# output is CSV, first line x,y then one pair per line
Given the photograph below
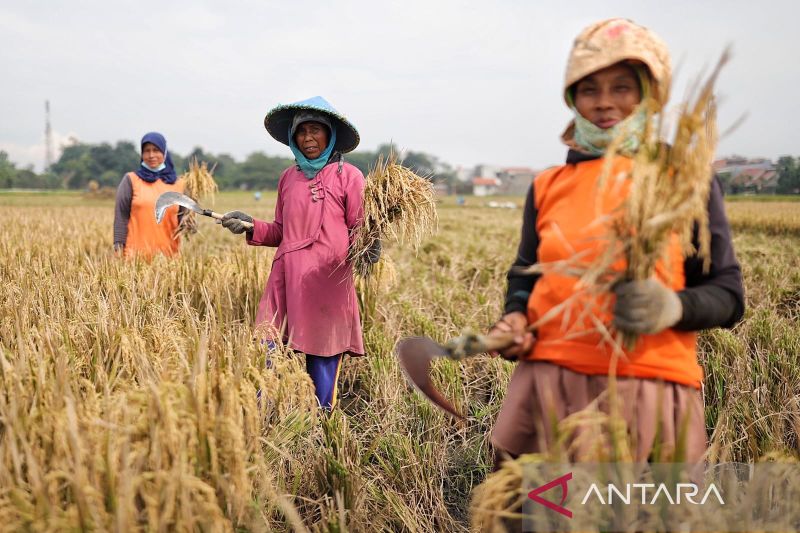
x,y
171,198
415,355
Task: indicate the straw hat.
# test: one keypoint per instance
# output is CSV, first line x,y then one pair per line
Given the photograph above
x,y
610,41
279,120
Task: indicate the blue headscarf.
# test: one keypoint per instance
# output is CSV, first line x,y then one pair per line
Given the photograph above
x,y
167,171
311,167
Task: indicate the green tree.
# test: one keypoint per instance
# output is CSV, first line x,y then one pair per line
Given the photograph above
x,y
362,160
74,166
421,163
725,180
788,175
225,170
8,171
28,179
126,158
80,163
260,171
223,166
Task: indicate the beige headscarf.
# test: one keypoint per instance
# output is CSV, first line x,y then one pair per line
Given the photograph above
x,y
610,41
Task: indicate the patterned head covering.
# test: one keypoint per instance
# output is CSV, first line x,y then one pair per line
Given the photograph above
x,y
610,41
599,46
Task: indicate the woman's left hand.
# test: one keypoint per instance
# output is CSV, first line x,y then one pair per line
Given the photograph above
x,y
645,307
374,252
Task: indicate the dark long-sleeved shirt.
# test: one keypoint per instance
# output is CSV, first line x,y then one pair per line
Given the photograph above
x,y
713,299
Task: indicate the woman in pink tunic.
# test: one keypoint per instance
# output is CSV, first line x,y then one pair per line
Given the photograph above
x,y
310,299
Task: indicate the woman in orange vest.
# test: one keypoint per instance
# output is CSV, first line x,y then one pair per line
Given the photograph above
x,y
612,66
136,232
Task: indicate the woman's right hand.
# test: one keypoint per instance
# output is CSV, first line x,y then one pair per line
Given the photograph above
x,y
233,221
515,322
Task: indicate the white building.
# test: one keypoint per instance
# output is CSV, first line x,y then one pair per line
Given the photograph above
x,y
485,186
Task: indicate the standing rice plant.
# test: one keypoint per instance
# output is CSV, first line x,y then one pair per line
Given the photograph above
x,y
368,290
123,406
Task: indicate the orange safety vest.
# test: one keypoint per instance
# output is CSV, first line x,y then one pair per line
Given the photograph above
x,y
146,237
566,198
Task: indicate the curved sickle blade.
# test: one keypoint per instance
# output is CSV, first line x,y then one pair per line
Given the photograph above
x,y
171,198
415,355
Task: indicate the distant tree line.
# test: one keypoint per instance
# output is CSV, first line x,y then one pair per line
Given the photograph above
x,y
105,164
13,177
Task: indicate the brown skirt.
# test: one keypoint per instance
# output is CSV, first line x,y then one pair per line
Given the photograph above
x,y
663,419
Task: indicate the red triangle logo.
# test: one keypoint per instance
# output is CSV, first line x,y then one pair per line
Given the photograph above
x,y
560,482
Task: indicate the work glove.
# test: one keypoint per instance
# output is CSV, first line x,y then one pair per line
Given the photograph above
x,y
374,252
645,307
233,221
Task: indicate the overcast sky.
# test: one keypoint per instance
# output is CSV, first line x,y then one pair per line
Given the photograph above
x,y
471,82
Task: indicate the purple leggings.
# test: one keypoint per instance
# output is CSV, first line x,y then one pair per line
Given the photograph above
x,y
324,372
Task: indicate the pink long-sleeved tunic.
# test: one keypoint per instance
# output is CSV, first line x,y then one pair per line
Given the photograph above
x,y
310,294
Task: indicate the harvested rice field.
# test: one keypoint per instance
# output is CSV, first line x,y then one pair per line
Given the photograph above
x,y
133,396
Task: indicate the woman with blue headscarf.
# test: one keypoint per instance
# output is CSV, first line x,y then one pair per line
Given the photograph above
x,y
310,300
136,232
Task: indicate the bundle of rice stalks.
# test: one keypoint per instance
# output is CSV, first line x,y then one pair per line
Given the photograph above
x,y
95,192
669,186
200,187
397,203
669,191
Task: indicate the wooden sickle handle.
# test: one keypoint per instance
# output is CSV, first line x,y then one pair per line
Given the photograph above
x,y
471,344
219,216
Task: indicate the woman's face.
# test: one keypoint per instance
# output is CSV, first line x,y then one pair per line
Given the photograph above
x,y
311,138
152,156
607,96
